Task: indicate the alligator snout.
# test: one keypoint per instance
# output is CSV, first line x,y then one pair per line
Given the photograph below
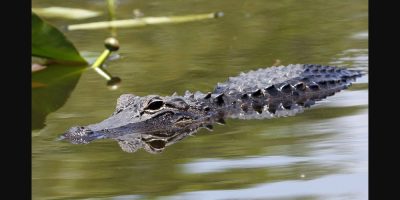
x,y
80,135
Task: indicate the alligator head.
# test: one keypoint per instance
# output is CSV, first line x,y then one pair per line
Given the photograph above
x,y
149,122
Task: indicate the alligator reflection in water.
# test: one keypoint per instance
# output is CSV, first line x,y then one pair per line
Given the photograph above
x,y
153,122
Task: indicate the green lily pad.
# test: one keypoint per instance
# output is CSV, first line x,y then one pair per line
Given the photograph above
x,y
50,43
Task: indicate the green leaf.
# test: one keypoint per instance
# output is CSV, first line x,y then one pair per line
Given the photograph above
x,y
48,42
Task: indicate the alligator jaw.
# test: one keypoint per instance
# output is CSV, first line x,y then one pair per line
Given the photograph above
x,y
134,136
160,125
81,135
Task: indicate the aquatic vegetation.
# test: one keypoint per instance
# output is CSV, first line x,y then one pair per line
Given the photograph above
x,y
145,21
48,42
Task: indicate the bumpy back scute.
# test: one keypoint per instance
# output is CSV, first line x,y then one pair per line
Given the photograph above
x,y
284,90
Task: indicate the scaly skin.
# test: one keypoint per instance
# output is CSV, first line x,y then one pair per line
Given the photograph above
x,y
153,122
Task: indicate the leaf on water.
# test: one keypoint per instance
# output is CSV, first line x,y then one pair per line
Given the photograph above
x,y
48,42
67,13
138,22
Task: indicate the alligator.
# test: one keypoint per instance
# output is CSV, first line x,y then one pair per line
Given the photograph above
x,y
153,122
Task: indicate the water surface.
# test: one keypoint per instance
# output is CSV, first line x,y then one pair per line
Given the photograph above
x,y
319,154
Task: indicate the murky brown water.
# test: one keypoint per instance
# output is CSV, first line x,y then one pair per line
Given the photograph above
x,y
319,154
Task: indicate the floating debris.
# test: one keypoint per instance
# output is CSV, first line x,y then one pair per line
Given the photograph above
x,y
137,13
139,22
37,67
67,13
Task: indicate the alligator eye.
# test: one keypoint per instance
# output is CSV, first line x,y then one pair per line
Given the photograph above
x,y
155,105
157,144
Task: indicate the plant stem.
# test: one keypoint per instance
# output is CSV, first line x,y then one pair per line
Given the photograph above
x,y
143,21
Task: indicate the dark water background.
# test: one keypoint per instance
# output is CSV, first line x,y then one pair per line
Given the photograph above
x,y
319,154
